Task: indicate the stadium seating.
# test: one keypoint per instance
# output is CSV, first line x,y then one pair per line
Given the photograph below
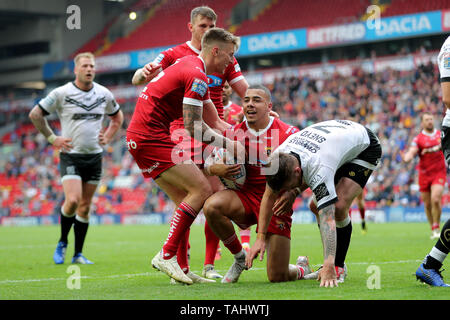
x,y
293,14
278,15
175,29
399,7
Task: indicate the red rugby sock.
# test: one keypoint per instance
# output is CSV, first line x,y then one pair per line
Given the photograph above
x,y
233,244
212,243
181,221
182,253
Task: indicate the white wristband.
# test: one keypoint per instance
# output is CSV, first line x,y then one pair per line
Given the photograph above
x,y
51,138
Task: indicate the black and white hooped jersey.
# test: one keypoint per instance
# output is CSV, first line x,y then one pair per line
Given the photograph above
x,y
443,61
81,113
323,148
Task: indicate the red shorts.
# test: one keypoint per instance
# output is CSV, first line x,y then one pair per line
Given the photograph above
x,y
153,154
188,147
278,225
427,180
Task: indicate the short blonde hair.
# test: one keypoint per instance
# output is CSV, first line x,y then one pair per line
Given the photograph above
x,y
219,35
203,11
83,55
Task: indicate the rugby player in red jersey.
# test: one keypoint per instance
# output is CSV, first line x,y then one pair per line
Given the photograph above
x,y
180,91
202,19
261,134
432,170
233,113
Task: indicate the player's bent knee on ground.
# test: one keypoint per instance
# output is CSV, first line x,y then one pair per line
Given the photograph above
x,y
277,276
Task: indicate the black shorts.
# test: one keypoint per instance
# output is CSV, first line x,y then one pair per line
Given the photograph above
x,y
445,143
360,168
86,166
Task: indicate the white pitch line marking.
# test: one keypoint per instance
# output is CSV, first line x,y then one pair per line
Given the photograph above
x,y
157,273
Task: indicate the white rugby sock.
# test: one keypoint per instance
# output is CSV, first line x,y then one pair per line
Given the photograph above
x,y
438,254
343,223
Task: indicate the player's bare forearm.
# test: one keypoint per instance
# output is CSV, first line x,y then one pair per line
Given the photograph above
x,y
212,119
265,211
37,118
138,78
265,214
410,154
240,87
327,225
114,125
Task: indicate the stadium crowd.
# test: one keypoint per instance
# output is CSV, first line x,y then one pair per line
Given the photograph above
x,y
389,102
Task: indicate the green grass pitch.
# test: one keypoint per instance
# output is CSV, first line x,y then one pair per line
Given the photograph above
x,y
122,268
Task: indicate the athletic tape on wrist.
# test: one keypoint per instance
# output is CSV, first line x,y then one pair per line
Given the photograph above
x,y
51,138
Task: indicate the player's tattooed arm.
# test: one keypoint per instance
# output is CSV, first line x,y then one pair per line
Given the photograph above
x,y
327,223
194,124
328,233
37,118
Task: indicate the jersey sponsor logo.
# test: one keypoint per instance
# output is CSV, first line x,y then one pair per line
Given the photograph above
x,y
447,62
97,102
237,67
131,144
199,86
280,224
316,179
291,130
214,81
321,191
87,116
308,145
159,58
70,170
153,167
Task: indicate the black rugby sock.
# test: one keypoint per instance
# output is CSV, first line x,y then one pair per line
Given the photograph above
x,y
66,225
80,228
343,236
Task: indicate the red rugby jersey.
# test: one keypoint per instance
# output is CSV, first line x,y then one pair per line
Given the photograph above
x,y
216,81
433,158
161,101
233,113
259,146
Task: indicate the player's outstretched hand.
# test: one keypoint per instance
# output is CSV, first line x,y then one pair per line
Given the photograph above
x,y
327,276
258,248
62,143
283,204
